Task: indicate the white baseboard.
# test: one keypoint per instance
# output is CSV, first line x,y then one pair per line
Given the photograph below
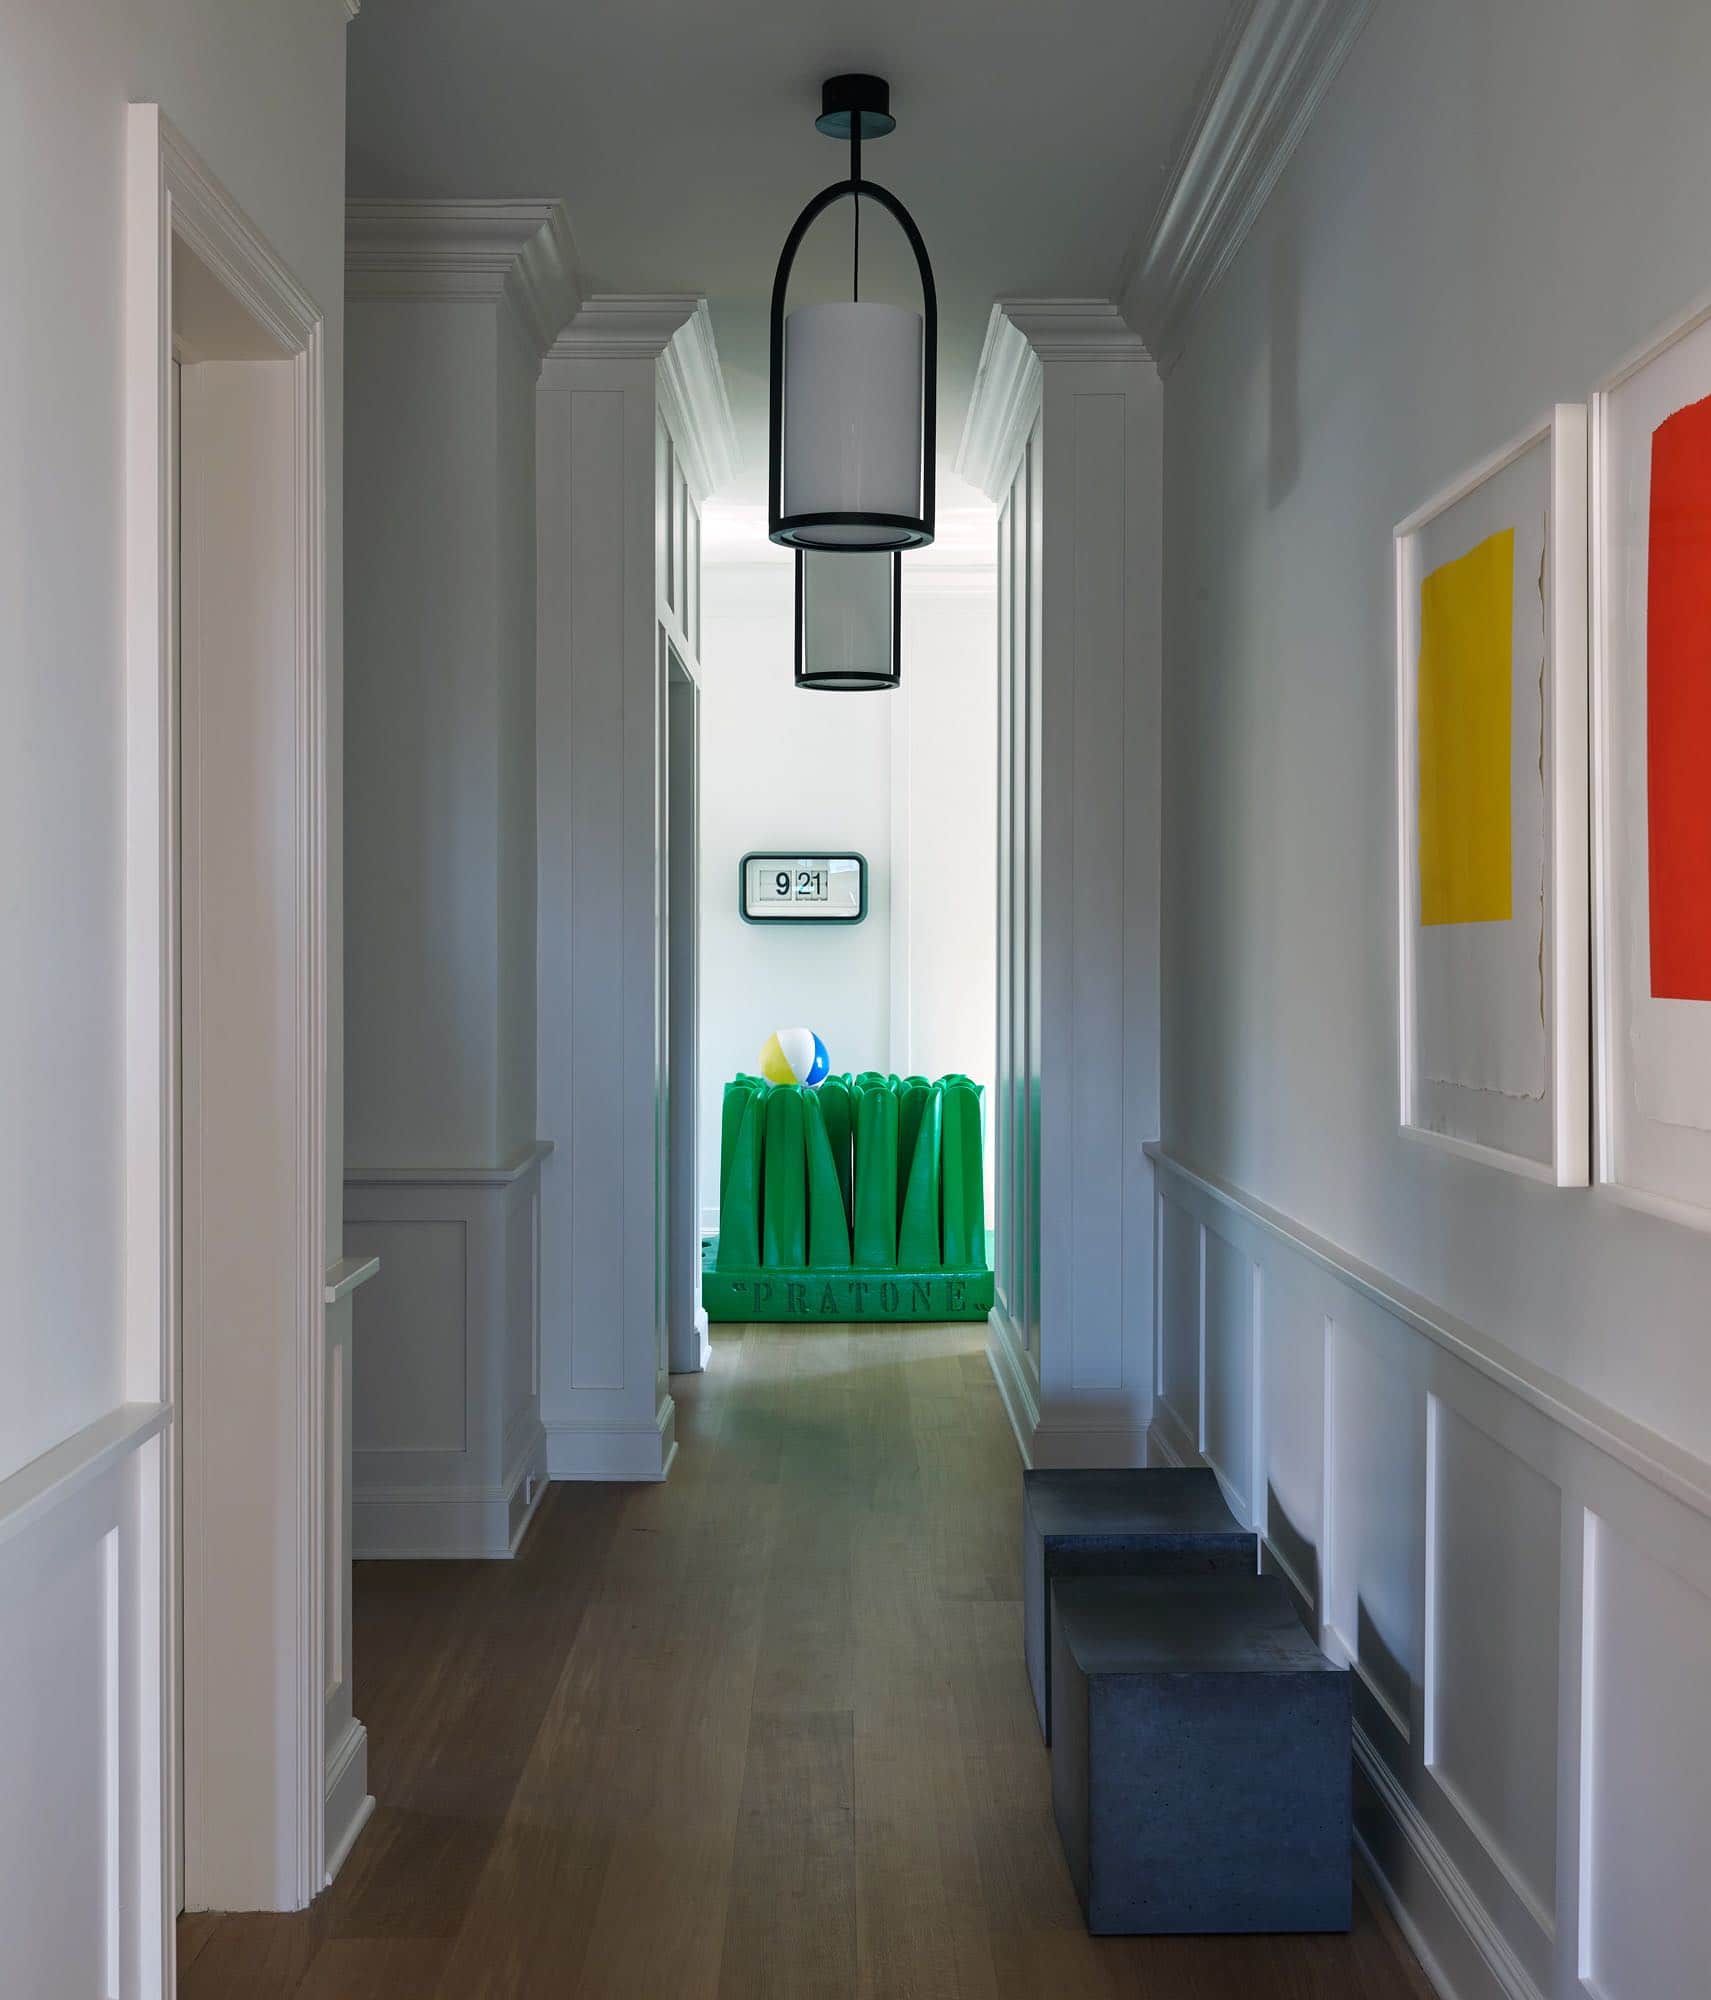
x,y
1167,1442
451,1523
699,1344
1013,1370
623,1452
349,1802
1450,1931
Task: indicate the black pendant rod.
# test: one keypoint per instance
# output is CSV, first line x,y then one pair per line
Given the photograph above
x,y
855,204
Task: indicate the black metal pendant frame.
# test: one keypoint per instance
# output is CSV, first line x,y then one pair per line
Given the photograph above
x,y
851,683
891,531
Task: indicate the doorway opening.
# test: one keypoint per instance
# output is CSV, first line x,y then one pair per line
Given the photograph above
x,y
226,1030
903,779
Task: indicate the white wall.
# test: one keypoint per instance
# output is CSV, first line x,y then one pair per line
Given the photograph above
x,y
906,779
1492,208
440,779
261,98
259,94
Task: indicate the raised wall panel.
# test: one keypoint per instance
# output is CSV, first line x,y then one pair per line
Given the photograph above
x,y
445,1400
411,1365
1378,1470
1179,1317
82,1873
58,1689
1525,1590
1292,1426
1229,1335
1494,1555
1646,1916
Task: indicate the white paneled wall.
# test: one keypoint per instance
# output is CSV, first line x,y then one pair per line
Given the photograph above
x,y
1065,435
1016,1094
1519,1581
448,1454
633,433
81,1854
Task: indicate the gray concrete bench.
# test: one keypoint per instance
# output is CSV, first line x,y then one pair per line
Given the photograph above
x,y
1160,1520
1201,1757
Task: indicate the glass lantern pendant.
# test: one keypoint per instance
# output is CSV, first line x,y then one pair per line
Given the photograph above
x,y
849,620
853,388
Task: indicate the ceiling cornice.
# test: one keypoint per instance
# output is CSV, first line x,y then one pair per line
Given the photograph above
x,y
1271,73
352,9
473,252
626,326
675,330
1022,337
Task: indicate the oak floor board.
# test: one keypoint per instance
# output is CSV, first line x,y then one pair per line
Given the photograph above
x,y
761,1732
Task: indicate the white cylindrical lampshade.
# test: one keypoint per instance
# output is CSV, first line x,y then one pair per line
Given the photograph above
x,y
852,418
846,620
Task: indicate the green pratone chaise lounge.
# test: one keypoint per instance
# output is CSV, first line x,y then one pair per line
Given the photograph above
x,y
858,1199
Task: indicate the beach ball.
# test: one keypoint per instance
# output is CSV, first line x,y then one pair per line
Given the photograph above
x,y
793,1055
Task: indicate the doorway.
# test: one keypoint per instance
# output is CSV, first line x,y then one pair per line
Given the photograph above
x,y
226,1026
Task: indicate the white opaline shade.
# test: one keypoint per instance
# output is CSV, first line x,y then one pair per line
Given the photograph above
x,y
847,619
852,417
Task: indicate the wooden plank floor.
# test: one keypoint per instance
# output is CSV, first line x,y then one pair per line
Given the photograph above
x,y
761,1733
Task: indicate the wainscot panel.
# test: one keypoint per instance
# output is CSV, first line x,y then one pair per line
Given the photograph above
x,y
1519,1579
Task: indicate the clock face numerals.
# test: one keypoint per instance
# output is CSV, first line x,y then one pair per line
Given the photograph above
x,y
804,888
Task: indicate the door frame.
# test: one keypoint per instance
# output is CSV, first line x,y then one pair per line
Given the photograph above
x,y
172,200
688,1342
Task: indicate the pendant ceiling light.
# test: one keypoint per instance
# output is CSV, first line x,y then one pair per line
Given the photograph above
x,y
853,388
849,620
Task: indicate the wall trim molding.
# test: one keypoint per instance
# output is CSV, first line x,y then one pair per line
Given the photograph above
x,y
1656,1459
577,1449
466,252
344,1276
171,197
696,407
1509,1977
46,1483
1012,1370
349,1802
1022,335
1269,77
512,1170
674,330
467,1522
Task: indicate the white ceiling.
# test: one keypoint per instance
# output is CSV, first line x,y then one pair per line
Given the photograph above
x,y
1034,140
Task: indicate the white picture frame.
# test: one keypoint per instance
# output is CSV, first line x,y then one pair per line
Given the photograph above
x,y
1649,1053
1538,1125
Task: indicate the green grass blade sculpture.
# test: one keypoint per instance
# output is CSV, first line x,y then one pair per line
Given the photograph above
x,y
862,1199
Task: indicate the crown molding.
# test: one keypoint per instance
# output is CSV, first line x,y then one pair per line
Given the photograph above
x,y
697,409
352,9
674,330
468,252
626,326
1023,336
1271,73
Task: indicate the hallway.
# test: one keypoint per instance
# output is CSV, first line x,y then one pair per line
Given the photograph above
x,y
762,1732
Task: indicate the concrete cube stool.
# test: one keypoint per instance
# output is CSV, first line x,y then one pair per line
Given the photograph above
x,y
1160,1520
1201,1757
